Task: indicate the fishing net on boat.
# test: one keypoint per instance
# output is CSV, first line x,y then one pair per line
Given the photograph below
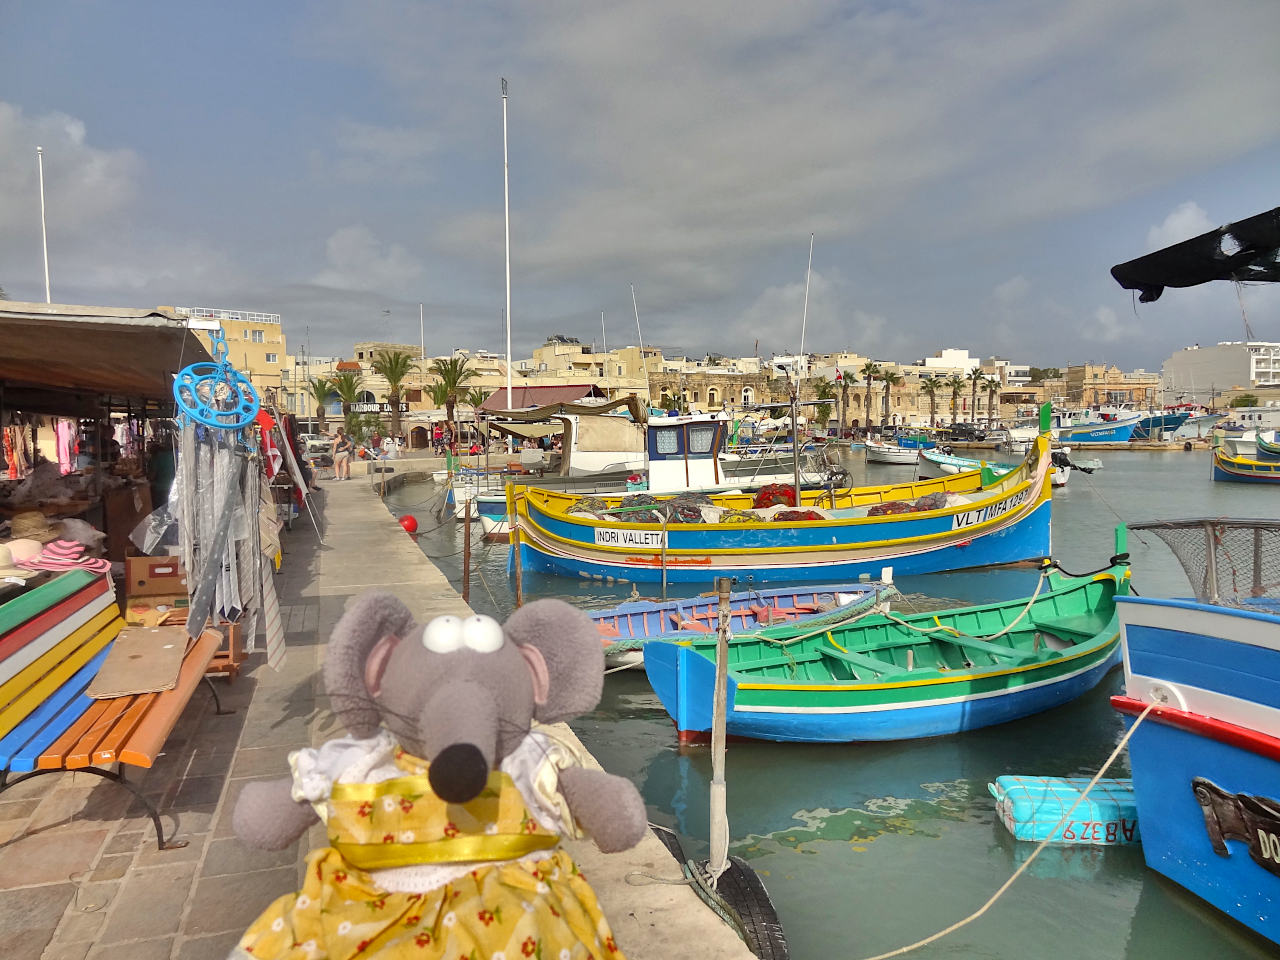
x,y
1230,562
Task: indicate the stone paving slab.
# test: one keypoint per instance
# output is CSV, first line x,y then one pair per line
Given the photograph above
x,y
81,877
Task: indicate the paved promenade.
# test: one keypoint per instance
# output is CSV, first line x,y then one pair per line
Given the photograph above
x,y
80,875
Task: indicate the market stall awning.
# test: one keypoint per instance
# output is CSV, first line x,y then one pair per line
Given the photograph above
x,y
631,402
120,354
526,396
1247,250
529,431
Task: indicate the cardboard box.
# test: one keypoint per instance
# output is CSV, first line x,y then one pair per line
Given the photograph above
x,y
152,611
154,577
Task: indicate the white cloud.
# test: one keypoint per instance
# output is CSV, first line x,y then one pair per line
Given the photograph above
x,y
367,152
1105,326
358,261
1012,290
1185,222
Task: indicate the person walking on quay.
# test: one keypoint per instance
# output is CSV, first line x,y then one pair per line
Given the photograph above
x,y
343,448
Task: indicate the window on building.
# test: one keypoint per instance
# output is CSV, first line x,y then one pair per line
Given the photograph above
x,y
748,395
700,438
244,334
695,396
413,396
273,358
667,439
285,375
257,336
712,396
619,369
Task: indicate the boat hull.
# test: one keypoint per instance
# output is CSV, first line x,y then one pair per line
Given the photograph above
x,y
1206,762
1228,469
889,453
1110,431
1149,428
682,679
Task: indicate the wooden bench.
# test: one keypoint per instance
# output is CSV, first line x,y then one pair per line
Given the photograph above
x,y
53,640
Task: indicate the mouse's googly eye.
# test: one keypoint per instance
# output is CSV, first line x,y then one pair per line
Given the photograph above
x,y
482,634
443,635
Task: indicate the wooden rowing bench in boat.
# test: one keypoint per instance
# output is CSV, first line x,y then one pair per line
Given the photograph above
x,y
53,640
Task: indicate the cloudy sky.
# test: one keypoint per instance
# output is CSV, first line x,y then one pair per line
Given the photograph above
x,y
970,169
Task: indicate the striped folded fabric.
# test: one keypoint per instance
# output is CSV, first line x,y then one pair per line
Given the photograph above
x,y
66,555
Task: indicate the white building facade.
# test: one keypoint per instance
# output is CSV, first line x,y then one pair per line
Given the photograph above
x,y
1198,374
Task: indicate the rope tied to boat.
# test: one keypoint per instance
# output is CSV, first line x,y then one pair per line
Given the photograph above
x,y
952,631
1026,864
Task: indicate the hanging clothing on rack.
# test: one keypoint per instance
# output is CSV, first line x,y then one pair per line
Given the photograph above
x,y
67,434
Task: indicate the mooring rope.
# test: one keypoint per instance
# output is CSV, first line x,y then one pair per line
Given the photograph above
x,y
1023,867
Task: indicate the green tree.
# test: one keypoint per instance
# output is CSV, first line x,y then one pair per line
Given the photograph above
x,y
393,366
439,394
931,388
1041,374
891,379
869,372
454,373
992,386
1245,400
974,378
347,386
476,396
955,385
319,389
823,389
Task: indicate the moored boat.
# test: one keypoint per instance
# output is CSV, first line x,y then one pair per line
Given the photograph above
x,y
926,526
1241,469
1206,759
889,677
625,628
936,463
878,451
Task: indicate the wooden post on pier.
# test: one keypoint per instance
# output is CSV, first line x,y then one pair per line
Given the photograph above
x,y
466,553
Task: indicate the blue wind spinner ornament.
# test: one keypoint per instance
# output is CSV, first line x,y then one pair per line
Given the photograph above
x,y
216,394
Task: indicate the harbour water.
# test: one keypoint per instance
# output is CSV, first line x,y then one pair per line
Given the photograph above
x,y
867,847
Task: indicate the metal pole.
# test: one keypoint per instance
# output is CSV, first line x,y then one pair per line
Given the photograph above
x,y
513,536
466,554
44,233
604,339
719,831
648,394
506,206
422,335
805,316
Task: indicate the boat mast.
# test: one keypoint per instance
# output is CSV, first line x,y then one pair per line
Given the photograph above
x,y
647,392
795,385
506,208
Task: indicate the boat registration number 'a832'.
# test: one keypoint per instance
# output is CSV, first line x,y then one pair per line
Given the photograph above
x,y
612,537
971,518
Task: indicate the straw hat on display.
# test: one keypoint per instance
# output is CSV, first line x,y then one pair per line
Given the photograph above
x,y
23,550
9,569
32,525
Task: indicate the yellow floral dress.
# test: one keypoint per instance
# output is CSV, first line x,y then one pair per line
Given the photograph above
x,y
508,894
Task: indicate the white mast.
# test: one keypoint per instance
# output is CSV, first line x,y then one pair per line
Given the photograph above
x,y
506,207
422,336
603,336
795,391
44,233
643,362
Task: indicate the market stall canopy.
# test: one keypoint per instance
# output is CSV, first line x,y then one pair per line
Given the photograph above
x,y
124,355
529,431
527,396
631,402
1247,250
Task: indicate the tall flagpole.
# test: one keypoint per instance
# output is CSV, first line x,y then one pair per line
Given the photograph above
x,y
422,336
506,207
44,233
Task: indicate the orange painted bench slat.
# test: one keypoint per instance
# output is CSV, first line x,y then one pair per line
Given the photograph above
x,y
51,759
143,745
79,754
123,728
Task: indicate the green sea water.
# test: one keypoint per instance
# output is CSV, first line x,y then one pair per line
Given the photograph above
x,y
868,847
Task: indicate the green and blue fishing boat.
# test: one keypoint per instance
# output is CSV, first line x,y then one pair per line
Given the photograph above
x,y
893,677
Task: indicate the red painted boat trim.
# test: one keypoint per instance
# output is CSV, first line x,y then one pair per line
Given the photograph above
x,y
19,637
1208,727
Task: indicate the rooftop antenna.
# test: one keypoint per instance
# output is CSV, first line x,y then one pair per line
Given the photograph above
x,y
506,207
44,233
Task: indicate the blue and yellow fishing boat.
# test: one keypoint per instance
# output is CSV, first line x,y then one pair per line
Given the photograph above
x,y
949,523
1238,469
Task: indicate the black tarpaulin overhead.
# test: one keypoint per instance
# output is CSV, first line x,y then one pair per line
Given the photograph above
x,y
1247,250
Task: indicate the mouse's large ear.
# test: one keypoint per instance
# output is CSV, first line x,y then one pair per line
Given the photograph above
x,y
569,644
372,619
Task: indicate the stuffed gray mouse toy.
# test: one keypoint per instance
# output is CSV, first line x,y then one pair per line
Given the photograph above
x,y
445,805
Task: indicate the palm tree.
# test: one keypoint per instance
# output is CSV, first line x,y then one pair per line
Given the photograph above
x,y
868,373
823,389
394,366
453,373
955,384
931,388
992,386
347,386
476,396
319,389
975,378
891,379
844,404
